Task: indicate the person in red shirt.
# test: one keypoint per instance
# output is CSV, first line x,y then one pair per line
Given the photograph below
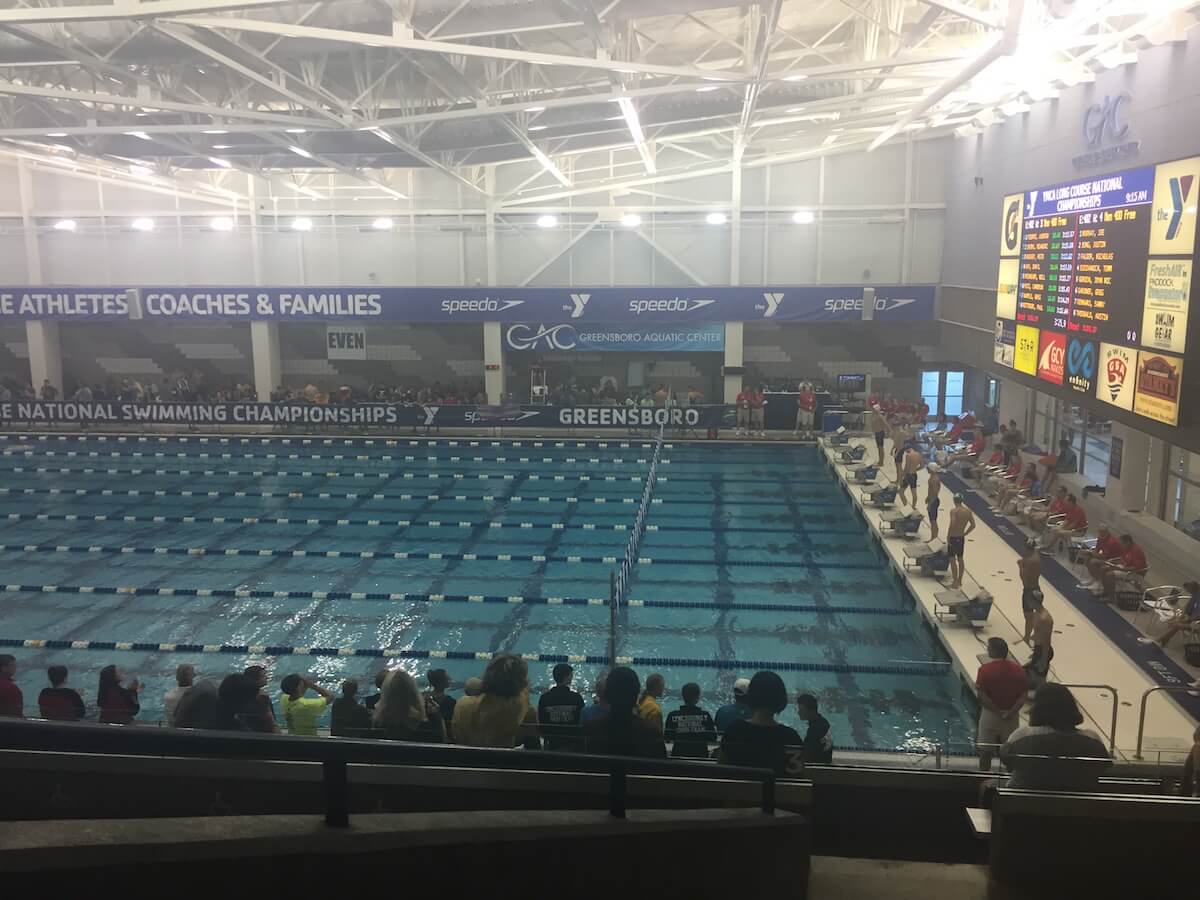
x,y
757,402
806,407
1058,506
59,701
743,410
1132,563
1002,687
12,702
1074,524
1108,550
965,423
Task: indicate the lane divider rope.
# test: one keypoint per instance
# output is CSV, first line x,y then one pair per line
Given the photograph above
x,y
339,457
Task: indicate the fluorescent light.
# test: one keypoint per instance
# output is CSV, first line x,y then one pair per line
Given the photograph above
x,y
803,217
142,224
139,134
795,77
221,223
635,131
537,127
295,130
141,171
300,151
707,88
547,221
631,220
65,225
56,134
215,131
222,146
383,224
302,224
549,166
716,218
535,109
223,163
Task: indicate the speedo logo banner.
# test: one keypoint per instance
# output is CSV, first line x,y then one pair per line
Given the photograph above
x,y
640,306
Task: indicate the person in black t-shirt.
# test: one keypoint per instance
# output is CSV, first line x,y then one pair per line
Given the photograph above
x,y
348,718
690,728
622,732
439,681
818,744
560,710
760,742
59,701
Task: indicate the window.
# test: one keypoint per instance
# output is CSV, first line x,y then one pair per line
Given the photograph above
x,y
954,393
993,392
1183,491
1097,437
930,384
1044,432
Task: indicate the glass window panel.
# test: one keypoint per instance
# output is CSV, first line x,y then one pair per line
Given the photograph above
x,y
954,384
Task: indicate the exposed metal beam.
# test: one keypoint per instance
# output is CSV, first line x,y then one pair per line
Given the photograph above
x,y
129,9
566,248
969,13
764,31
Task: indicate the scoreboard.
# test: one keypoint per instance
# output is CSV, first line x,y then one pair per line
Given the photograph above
x,y
1094,284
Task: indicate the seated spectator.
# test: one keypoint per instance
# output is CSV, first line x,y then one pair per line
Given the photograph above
x,y
760,741
1107,550
500,716
473,687
1190,785
1052,753
185,675
994,484
300,712
348,718
237,704
1037,516
116,703
1002,690
1187,616
370,702
736,711
560,710
12,701
689,728
622,732
818,742
197,707
1025,482
648,705
599,706
403,714
439,684
1131,566
1074,524
59,701
267,722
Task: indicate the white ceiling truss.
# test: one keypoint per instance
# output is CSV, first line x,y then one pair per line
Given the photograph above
x,y
180,95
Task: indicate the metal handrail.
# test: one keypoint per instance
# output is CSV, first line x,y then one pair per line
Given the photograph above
x,y
1112,734
335,753
1170,689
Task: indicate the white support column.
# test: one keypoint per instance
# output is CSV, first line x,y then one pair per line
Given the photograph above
x,y
493,355
1141,471
45,348
268,368
734,357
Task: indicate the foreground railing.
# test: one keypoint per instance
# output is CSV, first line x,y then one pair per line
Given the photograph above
x,y
335,754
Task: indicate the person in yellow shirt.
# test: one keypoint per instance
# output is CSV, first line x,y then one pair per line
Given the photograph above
x,y
499,716
300,712
648,705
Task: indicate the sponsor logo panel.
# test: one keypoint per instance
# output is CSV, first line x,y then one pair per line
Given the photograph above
x,y
1173,216
1156,393
1081,365
1025,355
1165,311
1116,372
1052,357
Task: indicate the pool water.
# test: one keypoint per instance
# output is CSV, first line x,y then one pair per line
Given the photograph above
x,y
424,553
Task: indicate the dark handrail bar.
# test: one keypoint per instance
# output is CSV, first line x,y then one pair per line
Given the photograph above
x,y
334,754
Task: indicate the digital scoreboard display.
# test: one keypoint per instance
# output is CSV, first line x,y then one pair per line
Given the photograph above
x,y
1094,284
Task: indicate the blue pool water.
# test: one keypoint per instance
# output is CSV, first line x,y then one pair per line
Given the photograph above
x,y
753,557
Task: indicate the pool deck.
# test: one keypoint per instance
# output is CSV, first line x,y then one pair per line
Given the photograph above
x,y
1083,654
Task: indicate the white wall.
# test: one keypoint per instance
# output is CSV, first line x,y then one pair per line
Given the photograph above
x,y
879,213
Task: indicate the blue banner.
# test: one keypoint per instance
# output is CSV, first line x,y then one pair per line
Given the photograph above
x,y
567,337
629,305
1128,188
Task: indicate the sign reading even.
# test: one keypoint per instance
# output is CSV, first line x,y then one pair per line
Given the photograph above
x,y
365,414
345,342
650,305
567,337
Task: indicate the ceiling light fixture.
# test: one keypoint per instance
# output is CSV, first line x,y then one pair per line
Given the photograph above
x,y
795,77
535,109
707,88
221,223
537,127
635,131
65,225
139,134
56,134
383,224
222,146
223,163
803,217
295,130
716,218
302,224
547,221
142,224
141,171
300,151
631,220
215,131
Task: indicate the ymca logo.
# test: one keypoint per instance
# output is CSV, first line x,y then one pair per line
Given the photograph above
x,y
773,301
579,304
430,413
1181,188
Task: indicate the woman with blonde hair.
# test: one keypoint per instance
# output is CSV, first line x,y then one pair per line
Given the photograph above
x,y
402,713
501,715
